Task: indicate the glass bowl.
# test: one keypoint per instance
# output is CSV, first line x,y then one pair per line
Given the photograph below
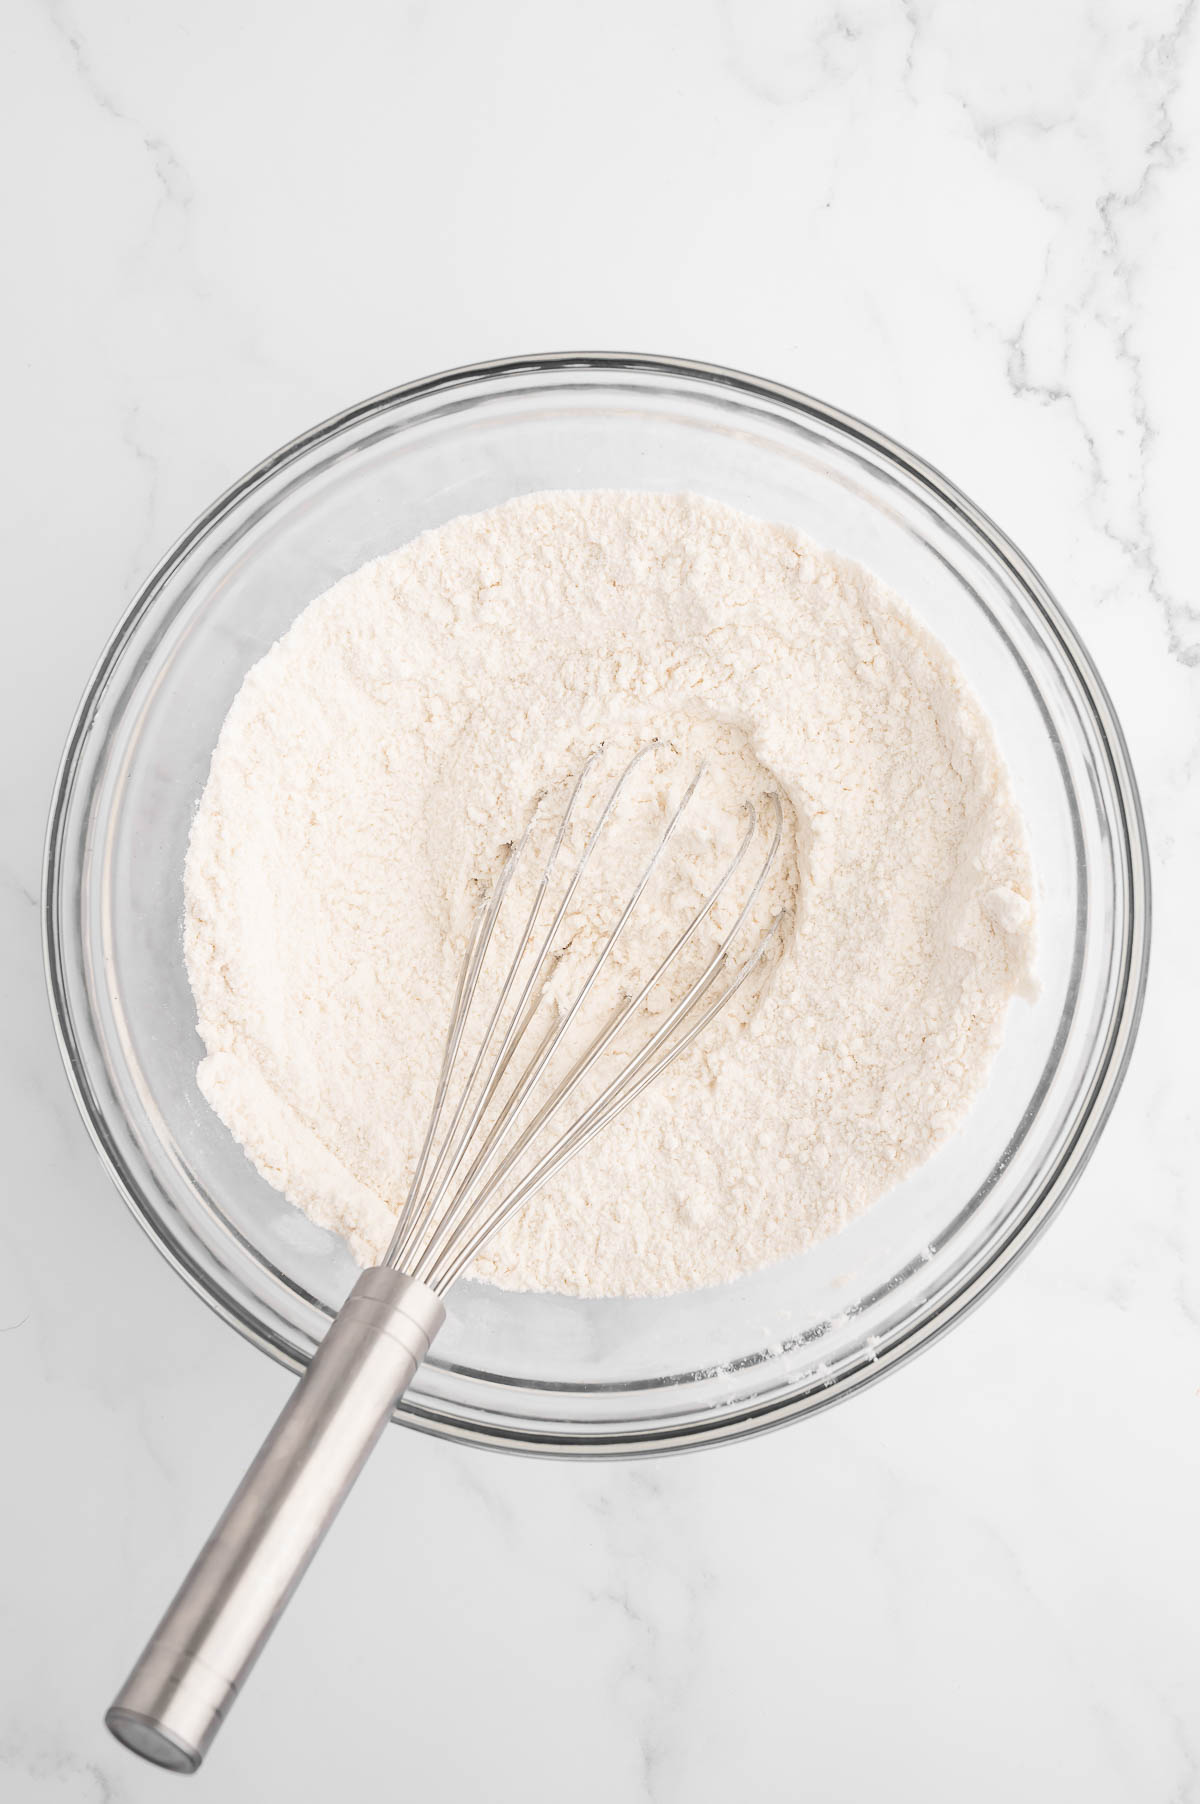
x,y
546,1373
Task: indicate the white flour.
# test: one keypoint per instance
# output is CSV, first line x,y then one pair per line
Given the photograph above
x,y
386,750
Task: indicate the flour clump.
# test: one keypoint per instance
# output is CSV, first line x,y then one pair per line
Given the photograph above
x,y
379,760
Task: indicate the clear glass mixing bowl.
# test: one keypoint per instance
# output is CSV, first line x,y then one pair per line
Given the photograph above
x,y
544,1373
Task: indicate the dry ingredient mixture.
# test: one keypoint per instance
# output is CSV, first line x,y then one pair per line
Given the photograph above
x,y
383,755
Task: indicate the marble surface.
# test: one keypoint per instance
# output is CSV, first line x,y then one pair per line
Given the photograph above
x,y
978,227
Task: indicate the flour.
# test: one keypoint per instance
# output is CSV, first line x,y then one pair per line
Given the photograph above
x,y
381,757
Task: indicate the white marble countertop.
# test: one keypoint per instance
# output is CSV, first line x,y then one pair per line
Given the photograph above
x,y
978,227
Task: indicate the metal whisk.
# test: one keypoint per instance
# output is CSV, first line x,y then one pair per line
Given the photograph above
x,y
494,1139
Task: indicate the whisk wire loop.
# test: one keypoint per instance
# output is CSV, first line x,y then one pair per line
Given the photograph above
x,y
421,1198
447,1218
604,1038
594,1123
555,1033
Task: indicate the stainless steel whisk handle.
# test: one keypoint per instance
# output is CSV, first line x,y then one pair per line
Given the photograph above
x,y
177,1696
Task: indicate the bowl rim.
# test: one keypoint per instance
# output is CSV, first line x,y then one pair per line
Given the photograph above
x,y
1131,966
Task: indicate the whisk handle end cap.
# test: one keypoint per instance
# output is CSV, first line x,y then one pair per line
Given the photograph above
x,y
170,1707
151,1739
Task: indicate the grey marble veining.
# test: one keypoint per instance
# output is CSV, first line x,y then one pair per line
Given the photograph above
x,y
975,226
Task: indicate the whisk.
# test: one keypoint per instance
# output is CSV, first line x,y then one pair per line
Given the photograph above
x,y
500,1128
